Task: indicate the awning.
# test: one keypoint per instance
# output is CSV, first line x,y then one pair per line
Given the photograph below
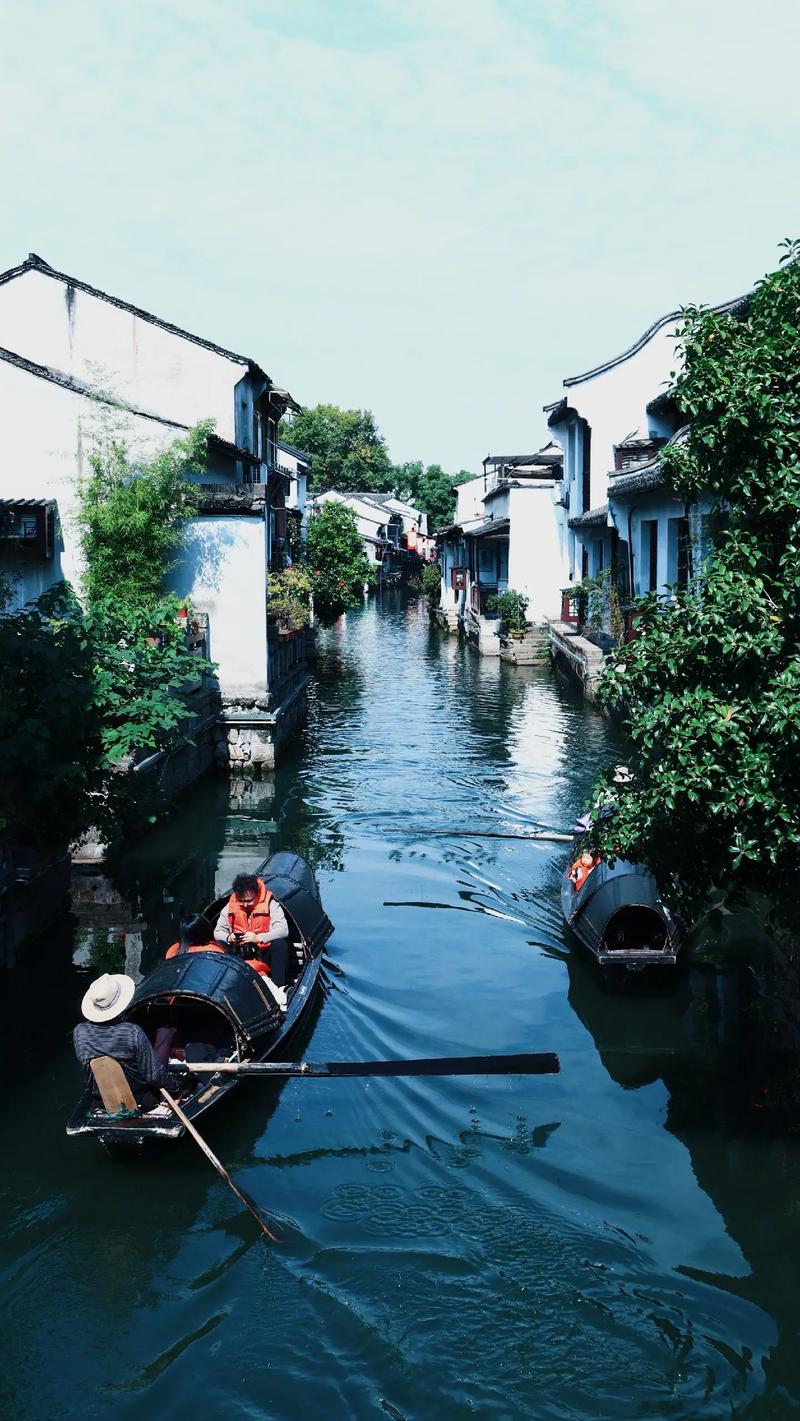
x,y
283,397
593,518
233,451
492,528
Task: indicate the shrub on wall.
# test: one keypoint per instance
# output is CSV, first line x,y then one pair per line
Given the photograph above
x,y
50,727
290,598
512,607
130,514
432,583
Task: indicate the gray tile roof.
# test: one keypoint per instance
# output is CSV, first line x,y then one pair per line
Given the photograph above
x,y
592,518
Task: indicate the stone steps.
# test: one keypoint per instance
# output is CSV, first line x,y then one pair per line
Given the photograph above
x,y
530,649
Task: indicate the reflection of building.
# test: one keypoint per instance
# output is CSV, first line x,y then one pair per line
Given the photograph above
x,y
109,934
394,533
504,539
79,368
726,1057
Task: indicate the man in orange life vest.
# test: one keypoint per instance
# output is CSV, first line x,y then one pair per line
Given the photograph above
x,y
255,919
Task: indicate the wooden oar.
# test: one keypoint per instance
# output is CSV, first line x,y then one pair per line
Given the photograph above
x,y
219,1167
538,1063
546,835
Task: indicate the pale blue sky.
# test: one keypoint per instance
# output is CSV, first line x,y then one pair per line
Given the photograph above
x,y
434,208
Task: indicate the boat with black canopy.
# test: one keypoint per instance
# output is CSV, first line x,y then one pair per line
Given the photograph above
x,y
218,1000
619,915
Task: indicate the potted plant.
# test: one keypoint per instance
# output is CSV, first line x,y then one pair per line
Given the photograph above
x,y
511,607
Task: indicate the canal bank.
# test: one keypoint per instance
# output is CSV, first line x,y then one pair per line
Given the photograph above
x,y
610,1242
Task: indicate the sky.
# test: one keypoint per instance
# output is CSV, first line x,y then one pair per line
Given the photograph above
x,y
435,209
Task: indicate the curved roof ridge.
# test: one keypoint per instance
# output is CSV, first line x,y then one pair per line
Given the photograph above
x,y
731,306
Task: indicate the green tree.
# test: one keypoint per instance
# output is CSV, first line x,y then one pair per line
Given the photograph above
x,y
337,562
50,730
130,518
430,489
711,685
348,450
432,583
130,514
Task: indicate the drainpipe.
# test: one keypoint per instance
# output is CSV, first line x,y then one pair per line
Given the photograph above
x,y
631,563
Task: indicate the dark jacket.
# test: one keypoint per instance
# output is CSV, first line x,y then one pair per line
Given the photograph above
x,y
128,1044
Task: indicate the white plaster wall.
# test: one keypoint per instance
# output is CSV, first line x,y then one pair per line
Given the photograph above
x,y
496,507
297,497
53,324
47,434
469,500
223,571
615,401
535,561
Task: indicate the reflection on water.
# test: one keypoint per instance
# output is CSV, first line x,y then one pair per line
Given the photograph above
x,y
618,1241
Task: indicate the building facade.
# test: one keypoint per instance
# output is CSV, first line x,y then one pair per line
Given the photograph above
x,y
505,538
78,366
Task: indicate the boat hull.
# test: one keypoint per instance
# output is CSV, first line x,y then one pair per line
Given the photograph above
x,y
260,1030
619,917
144,1139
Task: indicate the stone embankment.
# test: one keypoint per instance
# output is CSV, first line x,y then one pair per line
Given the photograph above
x,y
577,656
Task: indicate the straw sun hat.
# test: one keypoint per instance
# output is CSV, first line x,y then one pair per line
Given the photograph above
x,y
108,997
622,775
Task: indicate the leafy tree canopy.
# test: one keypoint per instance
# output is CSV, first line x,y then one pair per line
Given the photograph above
x,y
348,450
711,685
430,489
50,731
337,562
80,694
350,455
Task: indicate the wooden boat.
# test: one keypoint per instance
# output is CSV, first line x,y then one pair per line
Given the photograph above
x,y
218,999
618,915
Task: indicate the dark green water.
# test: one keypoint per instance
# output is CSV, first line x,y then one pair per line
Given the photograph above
x,y
614,1242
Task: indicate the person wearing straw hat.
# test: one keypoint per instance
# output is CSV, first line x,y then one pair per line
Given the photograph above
x,y
104,1033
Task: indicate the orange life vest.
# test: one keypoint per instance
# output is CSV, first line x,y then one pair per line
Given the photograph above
x,y
258,921
196,947
579,872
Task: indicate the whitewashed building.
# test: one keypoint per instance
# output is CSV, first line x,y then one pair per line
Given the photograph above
x,y
297,465
394,533
76,364
505,538
616,510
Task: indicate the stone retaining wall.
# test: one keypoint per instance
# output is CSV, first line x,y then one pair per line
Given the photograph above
x,y
576,656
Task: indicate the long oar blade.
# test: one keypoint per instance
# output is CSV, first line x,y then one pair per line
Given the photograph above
x,y
537,1063
219,1167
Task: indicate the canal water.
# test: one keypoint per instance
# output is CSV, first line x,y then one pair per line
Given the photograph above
x,y
618,1241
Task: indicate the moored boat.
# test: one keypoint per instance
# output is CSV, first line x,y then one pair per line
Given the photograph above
x,y
618,914
218,1000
